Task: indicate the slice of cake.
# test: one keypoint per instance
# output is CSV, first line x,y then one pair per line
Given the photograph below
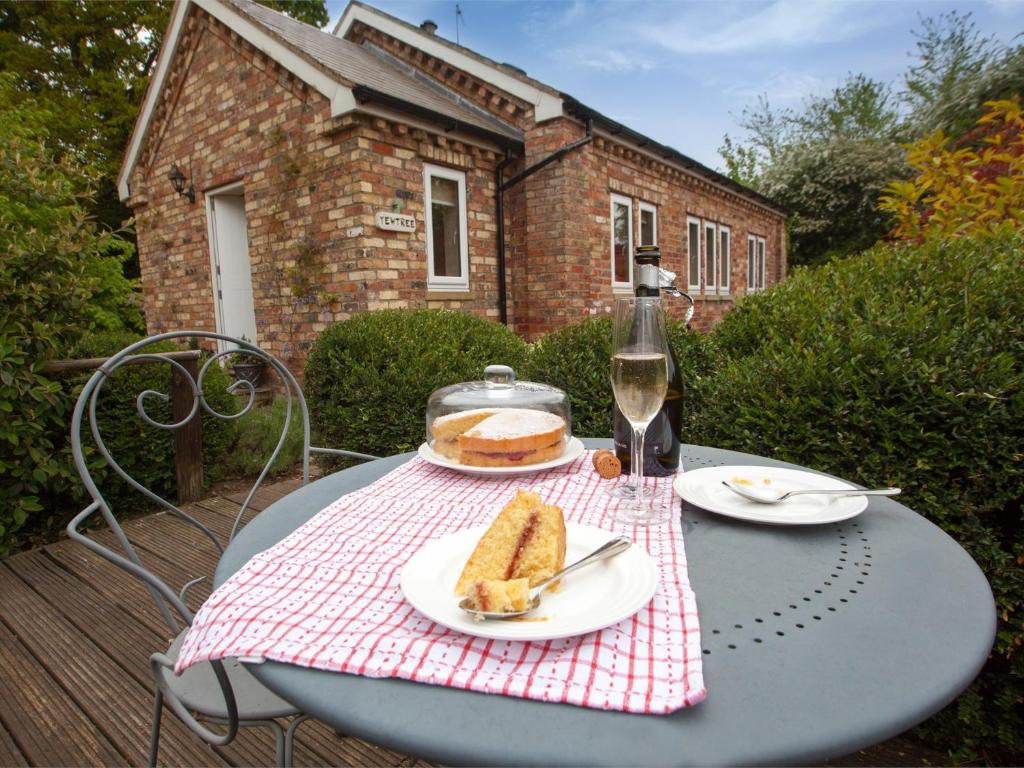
x,y
525,541
446,429
499,596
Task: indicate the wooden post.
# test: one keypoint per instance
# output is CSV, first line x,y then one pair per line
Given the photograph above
x,y
188,440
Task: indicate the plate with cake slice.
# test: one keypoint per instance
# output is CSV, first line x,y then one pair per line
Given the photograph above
x,y
528,541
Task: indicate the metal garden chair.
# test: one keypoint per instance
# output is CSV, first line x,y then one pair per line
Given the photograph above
x,y
221,693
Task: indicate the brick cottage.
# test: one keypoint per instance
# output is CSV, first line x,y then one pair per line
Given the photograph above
x,y
284,178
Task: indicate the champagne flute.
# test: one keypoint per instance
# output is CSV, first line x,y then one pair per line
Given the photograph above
x,y
639,374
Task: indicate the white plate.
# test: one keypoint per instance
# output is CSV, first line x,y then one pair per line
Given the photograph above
x,y
703,488
572,452
590,599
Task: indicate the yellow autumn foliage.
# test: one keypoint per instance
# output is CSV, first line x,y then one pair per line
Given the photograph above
x,y
964,188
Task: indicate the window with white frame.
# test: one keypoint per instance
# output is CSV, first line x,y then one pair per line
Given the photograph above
x,y
444,194
760,263
622,242
724,258
711,257
693,251
755,263
648,224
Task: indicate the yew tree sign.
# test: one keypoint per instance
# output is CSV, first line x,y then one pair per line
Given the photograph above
x,y
395,222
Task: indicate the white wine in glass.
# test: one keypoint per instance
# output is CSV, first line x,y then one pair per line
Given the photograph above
x,y
639,375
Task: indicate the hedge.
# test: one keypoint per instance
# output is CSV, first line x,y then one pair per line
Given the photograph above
x,y
904,366
367,379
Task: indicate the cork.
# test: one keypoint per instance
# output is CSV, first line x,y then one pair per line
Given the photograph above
x,y
607,464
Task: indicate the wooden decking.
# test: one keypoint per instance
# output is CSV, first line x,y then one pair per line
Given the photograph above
x,y
75,639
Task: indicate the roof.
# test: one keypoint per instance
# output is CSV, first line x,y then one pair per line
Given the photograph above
x,y
515,81
372,71
352,77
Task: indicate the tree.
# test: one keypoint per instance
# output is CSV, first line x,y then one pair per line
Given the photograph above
x,y
825,163
88,62
50,256
957,71
970,187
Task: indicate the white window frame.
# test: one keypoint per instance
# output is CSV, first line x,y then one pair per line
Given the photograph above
x,y
724,259
644,207
628,202
690,221
711,259
444,282
756,258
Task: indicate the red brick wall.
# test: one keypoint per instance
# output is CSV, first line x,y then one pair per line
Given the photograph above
x,y
312,186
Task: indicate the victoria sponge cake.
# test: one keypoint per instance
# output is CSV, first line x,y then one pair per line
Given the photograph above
x,y
500,437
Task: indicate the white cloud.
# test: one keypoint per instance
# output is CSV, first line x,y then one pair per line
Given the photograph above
x,y
753,27
784,88
604,59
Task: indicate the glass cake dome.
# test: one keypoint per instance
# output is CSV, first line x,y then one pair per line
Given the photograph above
x,y
525,415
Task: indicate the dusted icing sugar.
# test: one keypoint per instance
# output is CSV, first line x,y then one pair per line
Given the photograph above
x,y
508,423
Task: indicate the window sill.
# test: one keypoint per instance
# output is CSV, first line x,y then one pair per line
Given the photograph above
x,y
434,294
713,296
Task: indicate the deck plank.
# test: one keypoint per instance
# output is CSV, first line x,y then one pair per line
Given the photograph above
x,y
94,681
10,755
51,730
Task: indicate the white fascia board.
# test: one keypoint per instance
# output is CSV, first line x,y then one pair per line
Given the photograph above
x,y
340,96
156,86
545,105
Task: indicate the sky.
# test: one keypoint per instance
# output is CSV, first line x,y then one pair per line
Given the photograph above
x,y
682,72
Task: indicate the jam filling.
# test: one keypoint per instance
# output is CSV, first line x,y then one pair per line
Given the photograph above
x,y
483,604
524,538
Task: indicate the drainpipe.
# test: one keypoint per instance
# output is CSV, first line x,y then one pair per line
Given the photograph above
x,y
502,187
502,292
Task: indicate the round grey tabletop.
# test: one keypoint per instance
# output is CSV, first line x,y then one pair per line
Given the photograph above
x,y
818,641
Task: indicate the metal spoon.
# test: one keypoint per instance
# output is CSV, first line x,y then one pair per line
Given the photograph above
x,y
763,498
609,549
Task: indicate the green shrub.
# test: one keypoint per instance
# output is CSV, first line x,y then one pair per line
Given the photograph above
x,y
367,379
576,359
146,453
902,365
57,280
254,436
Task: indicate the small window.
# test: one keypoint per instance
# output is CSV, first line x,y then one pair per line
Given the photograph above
x,y
724,258
622,240
711,256
760,263
755,263
693,252
648,224
444,192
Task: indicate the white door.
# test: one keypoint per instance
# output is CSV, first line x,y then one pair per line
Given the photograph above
x,y
232,273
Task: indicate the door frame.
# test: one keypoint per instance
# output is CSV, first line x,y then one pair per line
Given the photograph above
x,y
211,230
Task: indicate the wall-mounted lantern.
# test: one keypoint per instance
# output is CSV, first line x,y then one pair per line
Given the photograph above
x,y
177,179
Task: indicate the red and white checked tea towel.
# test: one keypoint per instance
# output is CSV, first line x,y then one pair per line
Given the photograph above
x,y
328,597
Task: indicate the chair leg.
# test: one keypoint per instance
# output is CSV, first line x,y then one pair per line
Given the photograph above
x,y
289,740
279,743
154,734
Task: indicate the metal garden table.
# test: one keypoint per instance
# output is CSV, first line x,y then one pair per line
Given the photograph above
x,y
818,641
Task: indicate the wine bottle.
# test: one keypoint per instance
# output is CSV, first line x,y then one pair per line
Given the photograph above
x,y
662,438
